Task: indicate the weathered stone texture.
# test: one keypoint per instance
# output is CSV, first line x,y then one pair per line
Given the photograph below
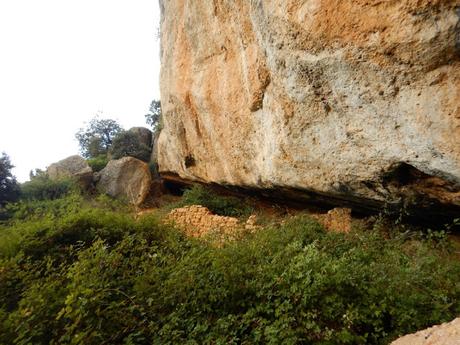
x,y
198,221
143,134
445,334
324,95
127,178
73,166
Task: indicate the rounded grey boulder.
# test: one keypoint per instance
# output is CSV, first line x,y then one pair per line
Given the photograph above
x,y
73,166
128,178
143,134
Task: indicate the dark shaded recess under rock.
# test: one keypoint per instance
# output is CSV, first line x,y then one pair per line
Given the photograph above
x,y
412,196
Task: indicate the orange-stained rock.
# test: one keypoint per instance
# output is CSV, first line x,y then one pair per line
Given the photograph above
x,y
323,95
198,221
337,219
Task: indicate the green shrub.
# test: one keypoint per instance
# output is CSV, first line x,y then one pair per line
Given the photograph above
x,y
35,322
298,284
221,205
97,137
106,202
96,276
43,188
50,236
39,225
9,188
127,143
98,163
4,214
40,209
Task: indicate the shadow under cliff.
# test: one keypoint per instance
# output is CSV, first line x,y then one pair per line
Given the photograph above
x,y
411,195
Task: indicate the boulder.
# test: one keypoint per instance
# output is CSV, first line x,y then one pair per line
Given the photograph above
x,y
127,178
445,334
354,101
143,134
68,167
72,167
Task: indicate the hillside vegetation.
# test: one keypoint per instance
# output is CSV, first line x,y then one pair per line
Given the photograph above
x,y
83,270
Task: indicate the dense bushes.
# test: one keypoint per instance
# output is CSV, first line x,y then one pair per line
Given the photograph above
x,y
9,188
221,205
96,138
37,197
98,163
104,139
128,143
79,273
44,188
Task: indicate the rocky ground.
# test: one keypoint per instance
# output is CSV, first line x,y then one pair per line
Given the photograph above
x,y
445,334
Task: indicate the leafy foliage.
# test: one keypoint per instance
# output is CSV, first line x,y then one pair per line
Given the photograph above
x,y
9,188
221,205
127,143
153,118
42,187
75,271
96,138
33,210
98,163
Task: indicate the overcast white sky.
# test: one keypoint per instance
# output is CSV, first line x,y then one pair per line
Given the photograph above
x,y
62,61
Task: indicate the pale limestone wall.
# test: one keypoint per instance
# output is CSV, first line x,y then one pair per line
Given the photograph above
x,y
324,95
445,334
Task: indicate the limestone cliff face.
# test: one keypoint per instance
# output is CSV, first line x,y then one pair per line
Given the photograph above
x,y
351,98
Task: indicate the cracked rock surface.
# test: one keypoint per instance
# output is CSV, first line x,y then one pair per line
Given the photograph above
x,y
128,178
350,98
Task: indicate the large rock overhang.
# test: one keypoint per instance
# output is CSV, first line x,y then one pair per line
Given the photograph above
x,y
355,102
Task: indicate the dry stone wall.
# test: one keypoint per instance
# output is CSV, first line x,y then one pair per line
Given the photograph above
x,y
198,221
337,219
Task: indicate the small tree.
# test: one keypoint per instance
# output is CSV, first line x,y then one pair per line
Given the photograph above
x,y
127,143
9,188
96,138
153,118
97,148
